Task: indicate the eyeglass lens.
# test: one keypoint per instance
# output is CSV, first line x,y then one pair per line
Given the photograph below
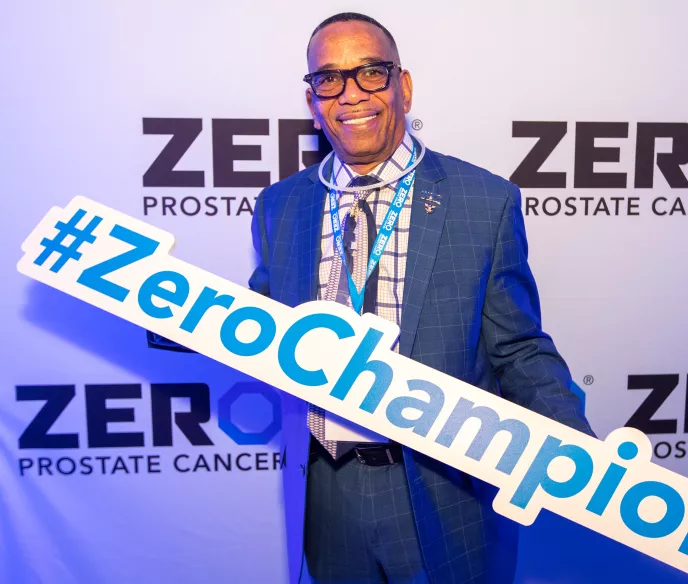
x,y
369,78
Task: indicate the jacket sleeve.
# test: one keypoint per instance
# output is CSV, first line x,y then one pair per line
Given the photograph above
x,y
529,370
259,280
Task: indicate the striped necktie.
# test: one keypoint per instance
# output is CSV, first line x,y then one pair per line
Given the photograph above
x,y
363,229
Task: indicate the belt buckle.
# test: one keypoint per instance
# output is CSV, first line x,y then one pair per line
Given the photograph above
x,y
359,456
388,452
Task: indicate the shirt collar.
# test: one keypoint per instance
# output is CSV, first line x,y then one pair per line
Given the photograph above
x,y
343,173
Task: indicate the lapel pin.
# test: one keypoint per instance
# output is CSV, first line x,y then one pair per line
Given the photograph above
x,y
432,200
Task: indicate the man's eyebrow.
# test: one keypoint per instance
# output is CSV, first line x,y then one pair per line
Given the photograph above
x,y
362,60
374,59
325,67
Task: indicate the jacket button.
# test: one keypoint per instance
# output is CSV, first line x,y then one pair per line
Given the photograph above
x,y
302,468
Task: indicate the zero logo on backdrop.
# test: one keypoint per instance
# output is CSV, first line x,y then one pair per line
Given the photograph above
x,y
183,133
599,142
249,413
644,418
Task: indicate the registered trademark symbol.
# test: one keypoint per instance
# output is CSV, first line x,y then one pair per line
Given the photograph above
x,y
417,124
588,380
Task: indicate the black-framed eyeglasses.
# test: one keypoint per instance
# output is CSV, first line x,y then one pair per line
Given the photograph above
x,y
370,78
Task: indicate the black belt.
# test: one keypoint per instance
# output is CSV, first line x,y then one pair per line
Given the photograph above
x,y
379,454
368,453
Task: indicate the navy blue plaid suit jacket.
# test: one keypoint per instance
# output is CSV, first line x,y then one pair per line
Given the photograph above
x,y
470,309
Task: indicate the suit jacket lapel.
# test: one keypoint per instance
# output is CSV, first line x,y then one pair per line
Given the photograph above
x,y
308,236
424,239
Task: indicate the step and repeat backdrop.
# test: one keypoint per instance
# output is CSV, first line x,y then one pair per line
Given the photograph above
x,y
120,463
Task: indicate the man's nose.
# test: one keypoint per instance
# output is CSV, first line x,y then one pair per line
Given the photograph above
x,y
353,94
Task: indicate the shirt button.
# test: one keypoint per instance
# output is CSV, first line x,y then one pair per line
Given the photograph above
x,y
303,470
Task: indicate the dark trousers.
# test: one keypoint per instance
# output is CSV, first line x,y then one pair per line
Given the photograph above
x,y
359,523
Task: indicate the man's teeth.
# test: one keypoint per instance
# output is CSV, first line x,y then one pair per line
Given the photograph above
x,y
359,120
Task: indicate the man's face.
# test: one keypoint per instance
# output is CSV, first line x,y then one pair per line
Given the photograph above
x,y
345,45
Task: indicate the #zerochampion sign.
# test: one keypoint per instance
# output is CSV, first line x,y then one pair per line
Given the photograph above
x,y
328,355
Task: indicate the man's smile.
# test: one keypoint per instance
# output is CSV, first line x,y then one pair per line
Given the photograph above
x,y
357,117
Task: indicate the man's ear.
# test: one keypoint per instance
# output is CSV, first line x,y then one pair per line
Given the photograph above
x,y
309,101
406,89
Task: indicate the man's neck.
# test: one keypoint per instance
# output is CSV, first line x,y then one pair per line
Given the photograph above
x,y
363,168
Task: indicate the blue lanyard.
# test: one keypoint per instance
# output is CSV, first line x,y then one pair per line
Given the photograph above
x,y
382,238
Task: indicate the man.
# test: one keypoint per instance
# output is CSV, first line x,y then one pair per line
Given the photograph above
x,y
453,275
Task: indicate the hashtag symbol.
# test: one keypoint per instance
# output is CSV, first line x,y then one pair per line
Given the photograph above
x,y
70,251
